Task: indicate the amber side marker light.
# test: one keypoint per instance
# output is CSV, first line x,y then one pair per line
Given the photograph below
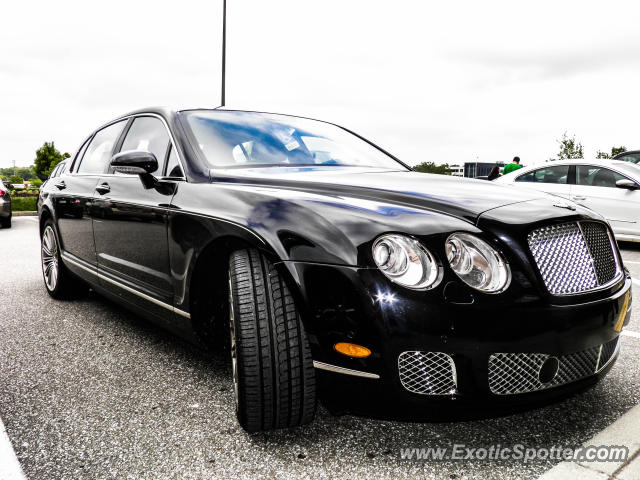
x,y
352,350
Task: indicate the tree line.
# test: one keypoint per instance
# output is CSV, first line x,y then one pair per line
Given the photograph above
x,y
569,148
47,157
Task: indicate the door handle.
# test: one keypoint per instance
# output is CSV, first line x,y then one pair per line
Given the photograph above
x,y
103,188
61,185
578,197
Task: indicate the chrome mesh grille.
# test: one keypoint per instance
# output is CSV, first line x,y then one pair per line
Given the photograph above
x,y
572,257
604,262
512,373
427,373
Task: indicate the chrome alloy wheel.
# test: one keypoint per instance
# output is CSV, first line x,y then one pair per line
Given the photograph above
x,y
49,254
234,352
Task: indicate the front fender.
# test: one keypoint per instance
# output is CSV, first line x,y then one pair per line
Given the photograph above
x,y
312,227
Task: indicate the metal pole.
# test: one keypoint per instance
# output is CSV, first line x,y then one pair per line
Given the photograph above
x,y
224,48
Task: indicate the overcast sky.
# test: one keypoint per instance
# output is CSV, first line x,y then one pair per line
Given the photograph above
x,y
429,81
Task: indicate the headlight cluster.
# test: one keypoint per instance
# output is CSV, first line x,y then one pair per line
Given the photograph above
x,y
406,262
477,263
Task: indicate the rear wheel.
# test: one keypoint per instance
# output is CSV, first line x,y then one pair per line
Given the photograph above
x,y
273,374
57,279
5,222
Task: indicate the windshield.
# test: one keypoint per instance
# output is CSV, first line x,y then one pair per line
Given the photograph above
x,y
632,169
629,157
250,139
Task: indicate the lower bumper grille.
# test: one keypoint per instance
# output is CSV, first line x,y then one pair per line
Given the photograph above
x,y
512,373
427,373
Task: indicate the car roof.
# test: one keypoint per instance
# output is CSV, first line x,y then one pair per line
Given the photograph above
x,y
628,152
168,111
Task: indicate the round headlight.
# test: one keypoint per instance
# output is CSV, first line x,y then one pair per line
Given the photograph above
x,y
404,261
477,263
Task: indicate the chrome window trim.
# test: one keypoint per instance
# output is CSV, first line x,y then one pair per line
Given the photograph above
x,y
346,371
67,257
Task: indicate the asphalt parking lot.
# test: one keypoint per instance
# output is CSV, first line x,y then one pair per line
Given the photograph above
x,y
91,391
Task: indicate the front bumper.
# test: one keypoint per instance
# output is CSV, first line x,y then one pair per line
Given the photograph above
x,y
359,306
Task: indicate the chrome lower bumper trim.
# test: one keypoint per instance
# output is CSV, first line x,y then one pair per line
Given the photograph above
x,y
346,371
67,258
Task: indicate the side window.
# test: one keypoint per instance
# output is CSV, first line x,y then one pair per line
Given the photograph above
x,y
98,154
594,176
61,169
558,174
173,167
150,135
54,172
525,177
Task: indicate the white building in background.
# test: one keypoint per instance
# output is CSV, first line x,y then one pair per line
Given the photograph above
x,y
457,170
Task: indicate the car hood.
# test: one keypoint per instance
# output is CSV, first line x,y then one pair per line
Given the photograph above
x,y
460,197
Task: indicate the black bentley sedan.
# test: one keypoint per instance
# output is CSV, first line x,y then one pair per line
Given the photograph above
x,y
326,266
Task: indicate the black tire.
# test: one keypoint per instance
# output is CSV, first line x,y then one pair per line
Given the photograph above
x,y
62,284
5,222
273,372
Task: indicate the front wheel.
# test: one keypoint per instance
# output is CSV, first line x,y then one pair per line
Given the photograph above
x,y
273,374
5,222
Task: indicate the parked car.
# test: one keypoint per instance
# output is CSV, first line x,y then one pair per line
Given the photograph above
x,y
5,206
328,266
631,156
610,187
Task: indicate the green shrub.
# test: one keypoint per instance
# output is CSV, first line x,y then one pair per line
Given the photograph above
x,y
16,179
23,204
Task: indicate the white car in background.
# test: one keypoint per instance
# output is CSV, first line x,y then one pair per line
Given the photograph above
x,y
609,187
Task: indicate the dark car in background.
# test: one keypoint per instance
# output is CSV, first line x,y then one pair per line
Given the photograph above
x,y
5,206
328,267
630,156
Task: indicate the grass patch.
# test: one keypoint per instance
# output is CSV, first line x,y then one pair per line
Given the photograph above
x,y
23,204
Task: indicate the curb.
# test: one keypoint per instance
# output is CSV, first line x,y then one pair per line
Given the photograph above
x,y
25,214
623,431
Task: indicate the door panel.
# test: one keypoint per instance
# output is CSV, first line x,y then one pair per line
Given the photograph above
x,y
130,230
619,206
595,188
72,201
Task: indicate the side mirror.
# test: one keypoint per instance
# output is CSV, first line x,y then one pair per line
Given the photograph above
x,y
137,162
628,184
134,162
